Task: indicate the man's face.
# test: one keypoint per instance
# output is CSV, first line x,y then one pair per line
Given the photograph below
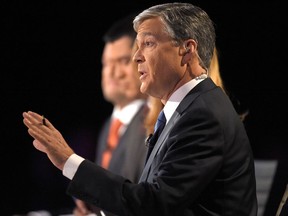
x,y
158,59
120,81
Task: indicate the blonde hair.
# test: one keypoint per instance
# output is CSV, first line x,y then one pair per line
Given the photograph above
x,y
214,70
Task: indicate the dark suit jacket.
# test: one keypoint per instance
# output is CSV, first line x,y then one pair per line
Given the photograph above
x,y
284,210
201,165
129,157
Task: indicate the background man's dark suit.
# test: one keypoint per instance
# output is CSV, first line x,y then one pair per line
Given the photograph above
x,y
129,157
217,171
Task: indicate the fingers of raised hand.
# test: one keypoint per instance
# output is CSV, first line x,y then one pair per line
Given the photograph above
x,y
35,118
34,122
47,123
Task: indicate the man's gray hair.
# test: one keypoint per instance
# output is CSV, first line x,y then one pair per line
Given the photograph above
x,y
184,21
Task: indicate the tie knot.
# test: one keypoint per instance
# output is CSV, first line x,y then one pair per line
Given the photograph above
x,y
162,117
161,121
116,123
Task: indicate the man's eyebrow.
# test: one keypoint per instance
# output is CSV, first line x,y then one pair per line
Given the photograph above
x,y
145,34
124,57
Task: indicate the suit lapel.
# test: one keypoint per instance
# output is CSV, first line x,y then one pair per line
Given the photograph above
x,y
158,145
205,85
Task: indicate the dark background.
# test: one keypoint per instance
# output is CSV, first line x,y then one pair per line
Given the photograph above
x,y
51,63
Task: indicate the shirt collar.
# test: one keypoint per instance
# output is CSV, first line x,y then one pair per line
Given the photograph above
x,y
178,96
126,114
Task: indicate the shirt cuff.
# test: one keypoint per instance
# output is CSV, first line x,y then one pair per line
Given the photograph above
x,y
71,166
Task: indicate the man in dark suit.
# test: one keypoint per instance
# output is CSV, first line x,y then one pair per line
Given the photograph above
x,y
121,87
201,163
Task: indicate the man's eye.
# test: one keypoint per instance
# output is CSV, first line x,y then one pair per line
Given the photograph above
x,y
148,43
125,61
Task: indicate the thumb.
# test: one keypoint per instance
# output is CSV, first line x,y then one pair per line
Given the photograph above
x,y
38,145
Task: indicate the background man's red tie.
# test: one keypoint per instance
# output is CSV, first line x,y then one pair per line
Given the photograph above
x,y
112,142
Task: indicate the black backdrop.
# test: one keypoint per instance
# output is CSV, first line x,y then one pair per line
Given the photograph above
x,y
51,61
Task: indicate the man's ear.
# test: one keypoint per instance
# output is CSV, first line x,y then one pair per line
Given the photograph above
x,y
189,47
186,57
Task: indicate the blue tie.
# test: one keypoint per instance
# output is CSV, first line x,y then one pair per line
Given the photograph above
x,y
160,124
152,139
